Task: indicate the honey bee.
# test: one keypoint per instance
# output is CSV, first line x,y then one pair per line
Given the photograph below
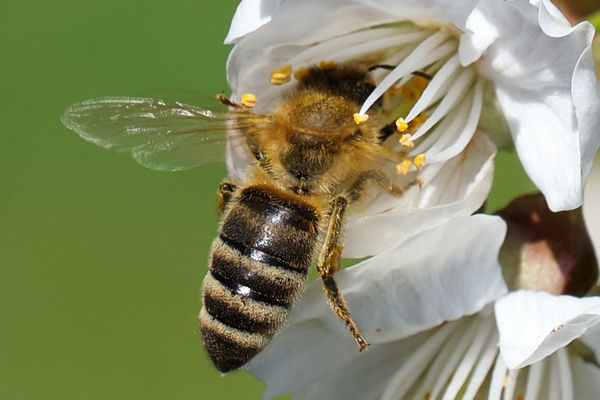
x,y
312,161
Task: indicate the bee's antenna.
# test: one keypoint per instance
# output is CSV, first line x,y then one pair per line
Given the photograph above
x,y
391,67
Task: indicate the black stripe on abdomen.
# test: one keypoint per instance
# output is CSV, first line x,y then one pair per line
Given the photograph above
x,y
272,227
245,291
252,318
257,254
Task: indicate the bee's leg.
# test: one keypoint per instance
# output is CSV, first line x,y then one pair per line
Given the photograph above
x,y
224,194
383,181
329,262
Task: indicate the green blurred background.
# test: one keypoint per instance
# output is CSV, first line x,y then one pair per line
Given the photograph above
x,y
102,260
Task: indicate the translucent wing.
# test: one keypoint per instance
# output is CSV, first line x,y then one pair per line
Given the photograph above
x,y
166,135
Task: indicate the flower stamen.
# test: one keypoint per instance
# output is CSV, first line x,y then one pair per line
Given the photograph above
x,y
281,75
360,118
248,100
430,50
419,160
403,167
406,142
402,126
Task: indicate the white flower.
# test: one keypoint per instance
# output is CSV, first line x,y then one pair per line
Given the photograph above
x,y
534,330
521,56
396,294
401,299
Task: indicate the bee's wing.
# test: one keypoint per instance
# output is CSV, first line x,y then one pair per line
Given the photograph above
x,y
166,135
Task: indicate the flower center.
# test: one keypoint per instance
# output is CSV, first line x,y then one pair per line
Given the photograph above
x,y
434,101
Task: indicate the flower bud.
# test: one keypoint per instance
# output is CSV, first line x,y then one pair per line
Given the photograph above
x,y
547,251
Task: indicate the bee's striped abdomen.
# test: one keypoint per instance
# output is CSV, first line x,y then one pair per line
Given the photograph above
x,y
257,270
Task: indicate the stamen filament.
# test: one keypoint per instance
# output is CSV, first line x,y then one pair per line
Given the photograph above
x,y
481,369
434,87
449,139
459,349
430,50
454,95
554,391
414,365
534,380
327,48
379,44
564,370
434,370
511,383
498,375
464,368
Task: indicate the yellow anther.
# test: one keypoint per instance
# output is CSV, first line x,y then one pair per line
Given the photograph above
x,y
403,167
360,118
414,124
301,73
248,100
401,125
281,75
326,64
406,142
419,160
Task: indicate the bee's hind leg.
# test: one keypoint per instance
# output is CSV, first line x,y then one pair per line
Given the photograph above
x,y
224,195
329,262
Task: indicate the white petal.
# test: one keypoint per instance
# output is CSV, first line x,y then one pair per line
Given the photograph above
x,y
553,22
296,25
315,365
238,159
458,12
302,22
533,86
533,325
395,294
480,34
249,16
591,207
456,187
586,100
592,339
545,135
